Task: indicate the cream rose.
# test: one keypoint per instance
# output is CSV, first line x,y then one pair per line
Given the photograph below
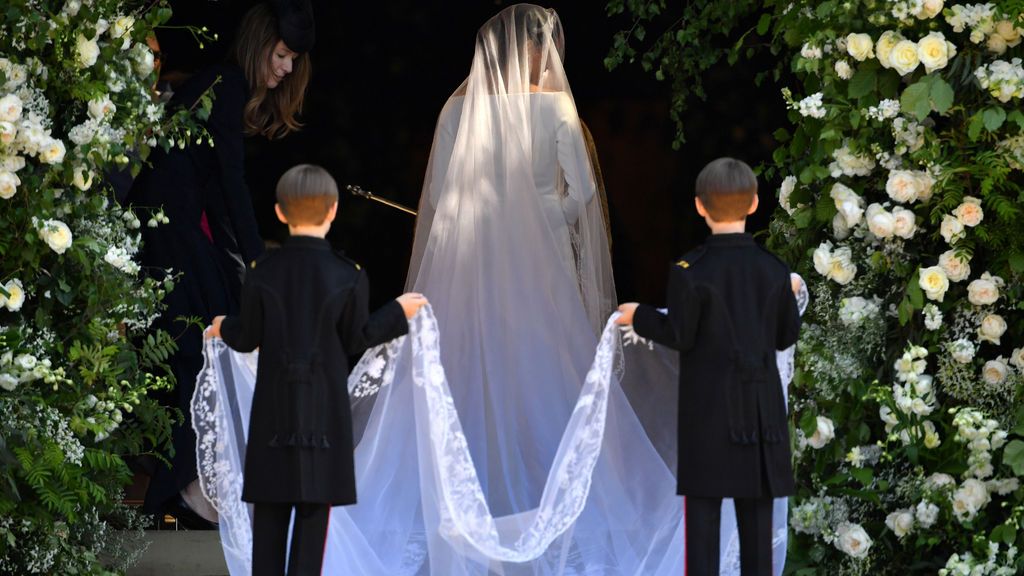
x,y
82,178
929,9
848,203
996,44
843,70
992,329
903,186
840,229
100,108
841,268
1009,32
933,51
822,258
122,29
880,222
52,151
904,57
87,51
995,371
1017,358
951,229
934,282
860,46
853,540
788,185
10,108
823,434
969,499
969,212
9,183
905,222
144,61
982,292
956,267
901,522
883,48
8,132
17,295
56,234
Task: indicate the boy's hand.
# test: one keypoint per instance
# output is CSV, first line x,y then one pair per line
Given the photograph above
x,y
796,283
214,330
411,303
627,310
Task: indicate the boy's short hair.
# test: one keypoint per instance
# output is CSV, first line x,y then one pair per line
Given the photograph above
x,y
306,193
727,188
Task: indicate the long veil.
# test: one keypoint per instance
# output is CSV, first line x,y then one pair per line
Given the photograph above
x,y
499,436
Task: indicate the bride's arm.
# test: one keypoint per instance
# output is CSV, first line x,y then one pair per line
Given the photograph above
x,y
573,159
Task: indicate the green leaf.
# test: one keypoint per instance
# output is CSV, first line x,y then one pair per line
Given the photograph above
x,y
1018,117
863,475
994,117
855,118
862,83
809,423
1017,262
1003,533
974,129
781,135
915,99
764,23
906,311
915,293
941,95
1013,456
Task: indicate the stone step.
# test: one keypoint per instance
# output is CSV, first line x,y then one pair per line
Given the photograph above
x,y
180,553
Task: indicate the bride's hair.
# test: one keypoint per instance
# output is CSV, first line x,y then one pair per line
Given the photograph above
x,y
269,112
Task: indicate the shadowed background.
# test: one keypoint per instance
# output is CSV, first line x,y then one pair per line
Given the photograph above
x,y
383,70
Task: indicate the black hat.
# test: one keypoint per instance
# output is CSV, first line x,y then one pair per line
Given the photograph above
x,y
295,23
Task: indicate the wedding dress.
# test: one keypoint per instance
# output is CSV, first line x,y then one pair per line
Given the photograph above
x,y
499,436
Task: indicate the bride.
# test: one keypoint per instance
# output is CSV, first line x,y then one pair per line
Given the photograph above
x,y
494,440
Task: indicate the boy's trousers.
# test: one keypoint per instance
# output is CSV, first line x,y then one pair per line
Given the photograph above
x,y
270,539
703,534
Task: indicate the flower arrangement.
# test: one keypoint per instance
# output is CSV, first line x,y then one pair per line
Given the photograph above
x,y
76,367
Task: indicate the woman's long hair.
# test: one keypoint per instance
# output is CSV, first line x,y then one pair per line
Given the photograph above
x,y
269,112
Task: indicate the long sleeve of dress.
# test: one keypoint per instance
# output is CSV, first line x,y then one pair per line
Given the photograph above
x,y
677,329
441,152
244,332
573,160
225,126
360,330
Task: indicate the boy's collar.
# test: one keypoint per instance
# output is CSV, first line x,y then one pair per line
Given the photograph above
x,y
307,242
732,239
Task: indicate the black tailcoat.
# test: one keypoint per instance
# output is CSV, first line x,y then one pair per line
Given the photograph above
x,y
305,307
730,307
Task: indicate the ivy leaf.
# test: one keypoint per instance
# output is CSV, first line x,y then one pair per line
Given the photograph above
x,y
941,95
915,99
994,117
862,83
1013,456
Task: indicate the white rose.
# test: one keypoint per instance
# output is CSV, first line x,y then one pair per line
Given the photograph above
x,y
848,203
843,70
926,513
8,132
996,44
969,212
52,152
969,499
929,9
933,51
840,229
885,45
10,108
992,328
841,267
788,185
144,61
903,186
880,223
82,178
903,57
823,258
938,481
956,267
925,182
87,50
934,282
962,350
8,382
100,108
860,46
1009,32
853,540
982,292
951,229
56,234
823,434
101,26
905,222
17,295
122,29
901,522
1017,358
995,371
12,163
9,183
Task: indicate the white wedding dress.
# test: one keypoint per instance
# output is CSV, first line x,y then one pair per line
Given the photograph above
x,y
501,436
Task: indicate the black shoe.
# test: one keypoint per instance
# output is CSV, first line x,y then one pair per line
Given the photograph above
x,y
186,517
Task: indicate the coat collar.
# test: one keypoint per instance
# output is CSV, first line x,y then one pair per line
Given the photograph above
x,y
736,239
307,242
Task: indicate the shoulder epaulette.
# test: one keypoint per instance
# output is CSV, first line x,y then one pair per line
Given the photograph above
x,y
341,256
259,259
690,257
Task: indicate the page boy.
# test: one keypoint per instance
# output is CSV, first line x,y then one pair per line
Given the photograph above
x,y
305,307
730,307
